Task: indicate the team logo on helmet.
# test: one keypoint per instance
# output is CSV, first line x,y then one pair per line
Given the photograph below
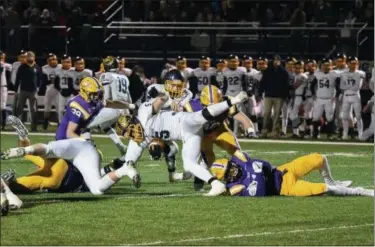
x,y
130,127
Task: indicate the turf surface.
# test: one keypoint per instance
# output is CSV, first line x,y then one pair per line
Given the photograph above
x,y
161,213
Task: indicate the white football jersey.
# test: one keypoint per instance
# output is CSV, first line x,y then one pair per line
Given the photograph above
x,y
186,97
79,75
165,125
310,79
51,72
234,81
351,82
64,77
118,87
326,84
123,71
204,77
250,78
301,89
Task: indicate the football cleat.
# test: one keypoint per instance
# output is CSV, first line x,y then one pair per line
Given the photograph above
x,y
4,204
133,174
218,188
8,175
18,126
13,153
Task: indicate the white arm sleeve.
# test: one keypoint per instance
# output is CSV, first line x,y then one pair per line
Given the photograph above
x,y
188,95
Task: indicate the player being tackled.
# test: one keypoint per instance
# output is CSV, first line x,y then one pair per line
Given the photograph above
x,y
246,176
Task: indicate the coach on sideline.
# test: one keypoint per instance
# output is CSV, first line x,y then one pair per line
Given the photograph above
x,y
275,86
28,78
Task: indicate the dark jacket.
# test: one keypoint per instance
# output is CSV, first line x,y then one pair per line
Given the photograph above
x,y
275,82
136,87
29,78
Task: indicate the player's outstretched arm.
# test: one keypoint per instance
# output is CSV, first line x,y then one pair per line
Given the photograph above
x,y
246,122
119,105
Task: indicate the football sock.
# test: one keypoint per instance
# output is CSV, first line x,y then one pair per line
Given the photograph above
x,y
105,183
360,127
325,171
345,124
217,109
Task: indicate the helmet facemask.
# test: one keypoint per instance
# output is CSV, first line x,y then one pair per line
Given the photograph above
x,y
175,88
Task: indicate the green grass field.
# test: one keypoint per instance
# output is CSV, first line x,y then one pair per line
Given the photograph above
x,y
161,213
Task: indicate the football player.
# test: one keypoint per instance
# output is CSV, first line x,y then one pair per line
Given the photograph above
x,y
216,131
287,106
121,69
50,71
181,65
218,79
262,65
64,84
245,176
5,71
325,89
83,108
250,88
234,82
201,76
174,84
53,175
299,85
340,66
370,130
116,88
79,73
81,153
311,67
169,125
350,84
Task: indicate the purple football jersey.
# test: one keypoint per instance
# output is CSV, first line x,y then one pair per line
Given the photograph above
x,y
78,111
258,176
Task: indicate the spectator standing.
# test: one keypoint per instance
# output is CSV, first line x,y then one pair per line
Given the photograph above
x,y
12,24
45,31
28,79
136,86
275,86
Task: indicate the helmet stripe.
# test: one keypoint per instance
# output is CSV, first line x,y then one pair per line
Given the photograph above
x,y
211,94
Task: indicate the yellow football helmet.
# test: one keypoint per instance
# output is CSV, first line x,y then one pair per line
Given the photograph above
x,y
225,170
129,127
204,63
174,83
211,95
91,89
289,64
233,61
109,63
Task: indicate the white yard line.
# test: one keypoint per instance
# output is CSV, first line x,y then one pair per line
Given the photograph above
x,y
240,140
255,234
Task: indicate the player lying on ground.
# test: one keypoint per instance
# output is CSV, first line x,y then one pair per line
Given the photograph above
x,y
168,125
216,131
245,176
83,155
53,175
8,200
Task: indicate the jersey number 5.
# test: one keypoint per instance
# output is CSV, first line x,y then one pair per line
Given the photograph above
x,y
122,87
323,84
164,134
